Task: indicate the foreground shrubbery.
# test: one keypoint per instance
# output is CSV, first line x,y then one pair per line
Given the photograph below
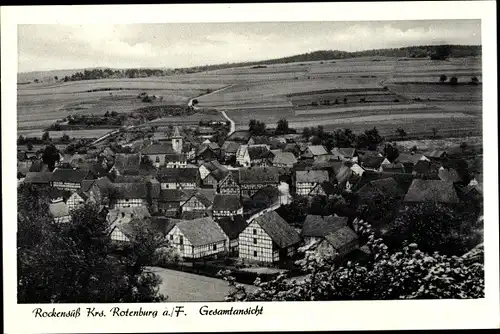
x,y
406,274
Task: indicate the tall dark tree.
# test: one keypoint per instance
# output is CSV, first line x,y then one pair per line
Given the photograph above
x,y
50,156
282,127
74,262
46,137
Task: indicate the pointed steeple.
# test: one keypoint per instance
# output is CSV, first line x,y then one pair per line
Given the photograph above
x,y
176,133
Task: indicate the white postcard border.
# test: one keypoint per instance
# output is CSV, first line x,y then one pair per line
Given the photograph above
x,y
280,316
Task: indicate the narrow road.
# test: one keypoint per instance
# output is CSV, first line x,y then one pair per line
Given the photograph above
x,y
233,126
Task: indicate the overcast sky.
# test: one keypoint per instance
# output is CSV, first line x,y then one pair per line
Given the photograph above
x,y
49,47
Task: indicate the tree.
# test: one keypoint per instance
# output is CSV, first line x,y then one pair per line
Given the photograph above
x,y
306,132
295,212
65,138
50,156
401,132
21,140
453,81
434,132
406,274
56,78
282,127
74,262
463,146
257,128
391,152
369,139
443,78
474,80
46,137
29,146
436,227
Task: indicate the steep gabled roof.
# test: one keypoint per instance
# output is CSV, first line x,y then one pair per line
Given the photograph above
x,y
278,229
320,226
232,226
169,175
226,202
163,148
201,231
317,150
199,196
341,237
38,177
286,158
230,146
254,175
128,191
315,176
386,187
371,161
431,190
171,195
406,158
70,175
347,152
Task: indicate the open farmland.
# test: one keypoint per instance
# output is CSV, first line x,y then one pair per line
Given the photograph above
x,y
356,92
40,105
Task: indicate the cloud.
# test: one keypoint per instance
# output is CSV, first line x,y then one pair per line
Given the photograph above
x,y
45,47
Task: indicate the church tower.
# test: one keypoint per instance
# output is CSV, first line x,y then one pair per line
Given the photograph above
x,y
177,141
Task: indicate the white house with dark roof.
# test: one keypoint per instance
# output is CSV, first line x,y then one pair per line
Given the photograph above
x,y
345,154
255,178
195,201
268,238
178,178
307,180
69,179
226,206
197,238
128,194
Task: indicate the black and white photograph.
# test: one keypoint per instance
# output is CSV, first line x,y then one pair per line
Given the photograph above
x,y
259,161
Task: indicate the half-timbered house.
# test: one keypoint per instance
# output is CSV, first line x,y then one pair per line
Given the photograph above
x,y
254,178
70,179
197,238
306,181
226,206
268,238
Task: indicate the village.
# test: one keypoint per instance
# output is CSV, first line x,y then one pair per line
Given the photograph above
x,y
253,201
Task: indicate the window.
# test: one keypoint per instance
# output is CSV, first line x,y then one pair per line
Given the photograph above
x,y
255,253
254,231
171,237
215,247
255,241
181,239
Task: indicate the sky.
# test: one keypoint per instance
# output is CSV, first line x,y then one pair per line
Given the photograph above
x,y
174,45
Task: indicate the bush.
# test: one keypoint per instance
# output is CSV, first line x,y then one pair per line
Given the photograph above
x,y
165,256
474,80
443,78
453,81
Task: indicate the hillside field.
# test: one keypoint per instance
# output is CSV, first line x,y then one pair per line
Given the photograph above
x,y
358,93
